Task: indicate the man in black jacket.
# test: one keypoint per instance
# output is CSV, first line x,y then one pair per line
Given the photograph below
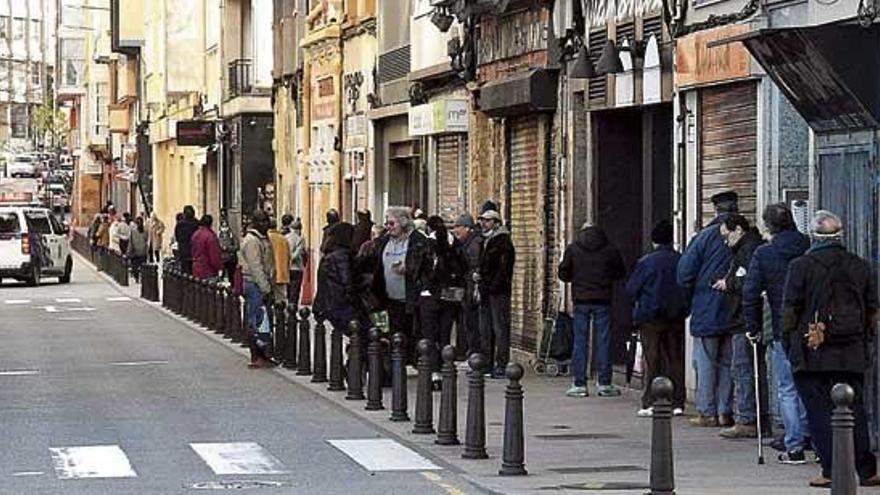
x,y
183,233
471,244
829,309
494,279
742,239
592,265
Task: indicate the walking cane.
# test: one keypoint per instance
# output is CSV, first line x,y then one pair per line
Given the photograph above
x,y
755,340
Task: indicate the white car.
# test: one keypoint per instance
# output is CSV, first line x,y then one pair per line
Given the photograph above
x,y
33,245
22,166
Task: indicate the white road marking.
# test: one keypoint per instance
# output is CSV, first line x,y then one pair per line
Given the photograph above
x,y
80,309
74,318
118,299
18,301
94,461
137,363
19,373
68,300
238,458
51,309
28,473
382,454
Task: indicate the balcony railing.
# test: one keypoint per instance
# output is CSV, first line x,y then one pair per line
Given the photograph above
x,y
240,77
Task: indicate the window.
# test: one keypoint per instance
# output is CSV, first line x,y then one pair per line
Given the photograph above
x,y
19,120
38,223
36,69
57,227
4,27
72,60
9,223
72,16
18,29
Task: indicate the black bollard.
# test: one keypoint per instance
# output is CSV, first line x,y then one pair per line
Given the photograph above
x,y
843,462
220,310
210,289
290,339
165,283
447,425
337,373
354,373
304,363
475,431
280,334
662,465
399,391
513,454
424,423
185,296
374,372
320,350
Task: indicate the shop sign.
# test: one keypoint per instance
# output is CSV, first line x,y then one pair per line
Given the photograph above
x,y
195,133
438,117
696,63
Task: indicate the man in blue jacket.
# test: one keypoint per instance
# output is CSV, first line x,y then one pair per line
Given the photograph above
x,y
767,272
704,262
660,310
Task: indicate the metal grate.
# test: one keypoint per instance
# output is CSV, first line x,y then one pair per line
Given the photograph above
x,y
394,64
597,89
652,25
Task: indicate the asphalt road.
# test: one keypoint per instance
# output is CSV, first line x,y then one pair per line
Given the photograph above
x,y
101,394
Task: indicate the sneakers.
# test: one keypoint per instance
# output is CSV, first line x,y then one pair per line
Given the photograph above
x,y
678,411
795,457
608,391
704,421
820,482
740,430
645,412
725,420
576,391
778,444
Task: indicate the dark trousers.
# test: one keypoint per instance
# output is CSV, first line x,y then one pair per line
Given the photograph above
x,y
229,269
123,246
663,345
400,321
186,266
293,290
469,327
136,263
495,329
437,318
815,391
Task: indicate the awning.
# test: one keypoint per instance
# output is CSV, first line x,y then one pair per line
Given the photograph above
x,y
829,73
527,92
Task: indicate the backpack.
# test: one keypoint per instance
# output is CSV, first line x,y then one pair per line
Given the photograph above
x,y
838,304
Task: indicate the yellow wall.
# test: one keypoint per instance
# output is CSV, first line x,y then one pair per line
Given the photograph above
x,y
286,172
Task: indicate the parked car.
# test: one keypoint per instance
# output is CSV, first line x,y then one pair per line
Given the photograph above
x,y
23,166
33,245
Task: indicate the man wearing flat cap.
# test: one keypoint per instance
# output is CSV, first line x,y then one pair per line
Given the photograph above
x,y
705,261
471,245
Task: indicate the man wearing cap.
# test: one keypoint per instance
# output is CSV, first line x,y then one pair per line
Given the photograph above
x,y
829,316
659,312
494,279
703,263
470,243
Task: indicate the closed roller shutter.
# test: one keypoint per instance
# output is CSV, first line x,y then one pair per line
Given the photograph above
x,y
729,146
526,224
451,176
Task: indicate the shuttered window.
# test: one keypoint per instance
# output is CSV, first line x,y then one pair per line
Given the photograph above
x,y
729,146
451,175
847,188
526,223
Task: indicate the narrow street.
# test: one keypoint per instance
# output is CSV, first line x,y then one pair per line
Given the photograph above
x,y
101,394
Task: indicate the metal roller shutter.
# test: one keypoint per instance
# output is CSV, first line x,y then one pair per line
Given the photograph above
x,y
729,146
451,175
526,225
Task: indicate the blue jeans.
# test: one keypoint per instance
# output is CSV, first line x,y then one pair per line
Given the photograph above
x,y
794,415
255,312
583,314
744,380
712,358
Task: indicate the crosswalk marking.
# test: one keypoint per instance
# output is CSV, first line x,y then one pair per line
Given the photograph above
x,y
56,309
92,461
382,454
19,373
17,301
118,299
28,473
68,300
137,363
238,458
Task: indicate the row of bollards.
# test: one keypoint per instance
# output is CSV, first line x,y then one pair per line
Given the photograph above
x,y
115,265
150,282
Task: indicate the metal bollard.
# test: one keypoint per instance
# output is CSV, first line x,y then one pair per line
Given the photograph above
x,y
843,462
354,373
236,330
290,339
219,309
337,373
320,359
662,465
145,282
210,290
374,372
447,425
280,318
513,454
475,431
399,391
424,423
305,347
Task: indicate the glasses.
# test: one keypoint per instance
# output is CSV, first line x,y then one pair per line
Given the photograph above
x,y
390,223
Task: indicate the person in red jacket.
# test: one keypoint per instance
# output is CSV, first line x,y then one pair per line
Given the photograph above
x,y
207,259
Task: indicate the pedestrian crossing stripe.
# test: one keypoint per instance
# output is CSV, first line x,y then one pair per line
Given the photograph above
x,y
382,454
118,299
238,458
68,300
92,461
17,301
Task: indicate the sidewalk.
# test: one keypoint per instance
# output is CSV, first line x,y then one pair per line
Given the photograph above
x,y
590,445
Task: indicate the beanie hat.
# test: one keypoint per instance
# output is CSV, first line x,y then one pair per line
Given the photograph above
x,y
662,233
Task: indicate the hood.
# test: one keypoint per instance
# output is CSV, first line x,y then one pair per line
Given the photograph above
x,y
591,239
791,243
751,238
339,237
501,230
